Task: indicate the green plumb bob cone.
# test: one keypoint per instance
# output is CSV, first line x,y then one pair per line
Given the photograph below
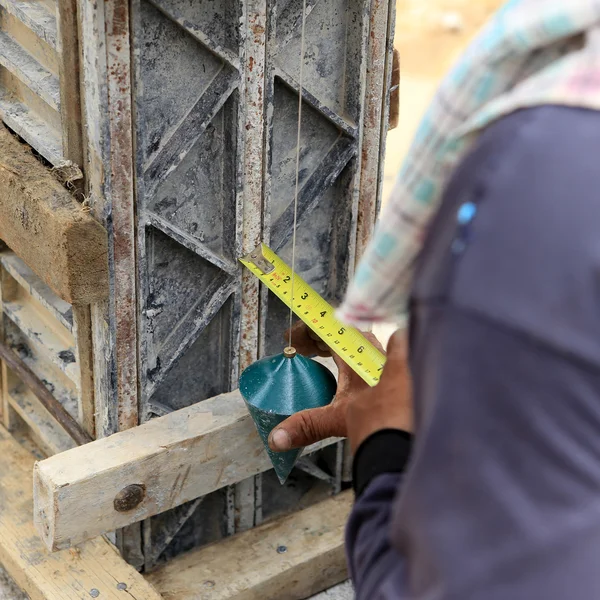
x,y
275,388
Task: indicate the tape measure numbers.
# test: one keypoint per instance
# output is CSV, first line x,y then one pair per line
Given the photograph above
x,y
347,342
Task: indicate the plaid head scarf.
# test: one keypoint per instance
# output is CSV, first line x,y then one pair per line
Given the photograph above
x,y
532,52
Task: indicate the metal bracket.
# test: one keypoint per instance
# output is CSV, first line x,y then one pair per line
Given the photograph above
x,y
259,260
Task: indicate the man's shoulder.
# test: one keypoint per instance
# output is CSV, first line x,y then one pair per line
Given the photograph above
x,y
525,251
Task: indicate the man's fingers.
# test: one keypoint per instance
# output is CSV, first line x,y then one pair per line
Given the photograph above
x,y
306,342
307,427
344,372
321,345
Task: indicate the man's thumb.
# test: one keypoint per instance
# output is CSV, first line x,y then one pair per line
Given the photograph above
x,y
307,427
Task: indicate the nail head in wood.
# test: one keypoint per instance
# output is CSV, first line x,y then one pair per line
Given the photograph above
x,y
129,497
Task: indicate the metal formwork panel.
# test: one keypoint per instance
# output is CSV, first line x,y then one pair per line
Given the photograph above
x,y
215,90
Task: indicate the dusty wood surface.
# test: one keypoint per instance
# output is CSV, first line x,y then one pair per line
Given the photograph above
x,y
69,575
287,559
43,428
82,330
48,401
181,456
47,228
70,107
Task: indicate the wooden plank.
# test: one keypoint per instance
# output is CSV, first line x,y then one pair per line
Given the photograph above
x,y
181,456
41,51
44,336
68,69
21,64
83,339
48,435
35,16
59,413
93,570
47,228
37,133
287,559
92,37
60,309
8,291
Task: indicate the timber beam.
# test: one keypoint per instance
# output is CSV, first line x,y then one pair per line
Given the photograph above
x,y
93,570
290,558
48,229
135,474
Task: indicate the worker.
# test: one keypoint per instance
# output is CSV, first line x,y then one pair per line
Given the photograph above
x,y
491,244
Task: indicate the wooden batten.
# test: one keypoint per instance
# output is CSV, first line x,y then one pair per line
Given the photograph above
x,y
92,570
173,459
290,558
47,228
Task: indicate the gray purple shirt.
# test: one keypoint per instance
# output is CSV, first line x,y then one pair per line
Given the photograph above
x,y
500,499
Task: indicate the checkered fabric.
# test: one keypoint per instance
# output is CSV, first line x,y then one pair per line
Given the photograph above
x,y
532,52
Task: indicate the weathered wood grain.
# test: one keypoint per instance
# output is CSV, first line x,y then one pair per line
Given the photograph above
x,y
46,227
287,559
70,575
181,456
49,436
70,103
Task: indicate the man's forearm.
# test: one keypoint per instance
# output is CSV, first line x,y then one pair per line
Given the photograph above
x,y
375,566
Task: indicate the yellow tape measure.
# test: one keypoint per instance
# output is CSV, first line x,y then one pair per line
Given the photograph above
x,y
347,342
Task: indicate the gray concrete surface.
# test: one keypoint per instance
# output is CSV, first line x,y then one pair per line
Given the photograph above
x,y
343,591
8,589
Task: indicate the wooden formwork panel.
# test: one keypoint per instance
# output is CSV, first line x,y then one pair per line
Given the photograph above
x,y
52,339
39,76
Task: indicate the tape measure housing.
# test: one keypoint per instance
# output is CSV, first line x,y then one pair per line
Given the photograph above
x,y
347,342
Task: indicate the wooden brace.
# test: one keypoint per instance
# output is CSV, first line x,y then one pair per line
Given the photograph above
x,y
135,474
48,229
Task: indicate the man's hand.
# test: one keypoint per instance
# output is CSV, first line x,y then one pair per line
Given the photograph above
x,y
306,341
389,404
357,410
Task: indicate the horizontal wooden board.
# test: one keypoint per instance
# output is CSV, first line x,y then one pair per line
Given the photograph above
x,y
92,570
37,78
50,437
181,456
288,559
34,15
44,225
25,277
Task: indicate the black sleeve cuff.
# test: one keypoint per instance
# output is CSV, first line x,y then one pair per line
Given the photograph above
x,y
385,451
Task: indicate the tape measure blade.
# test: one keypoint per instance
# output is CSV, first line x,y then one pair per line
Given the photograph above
x,y
310,307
